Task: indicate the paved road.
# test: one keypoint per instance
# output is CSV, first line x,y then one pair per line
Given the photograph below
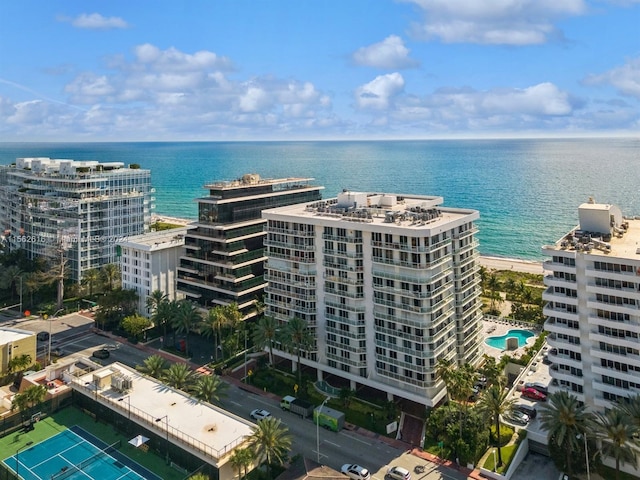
x,y
73,333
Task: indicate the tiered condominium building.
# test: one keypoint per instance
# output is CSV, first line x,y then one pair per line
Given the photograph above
x,y
388,284
150,262
593,307
80,207
224,260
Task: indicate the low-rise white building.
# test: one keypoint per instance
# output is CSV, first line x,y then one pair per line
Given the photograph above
x,y
150,262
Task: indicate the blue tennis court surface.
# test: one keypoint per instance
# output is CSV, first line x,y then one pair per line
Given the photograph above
x,y
69,455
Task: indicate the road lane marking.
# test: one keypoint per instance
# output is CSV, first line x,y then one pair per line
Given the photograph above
x,y
356,439
334,444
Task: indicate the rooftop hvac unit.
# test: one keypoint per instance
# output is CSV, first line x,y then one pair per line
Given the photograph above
x,y
121,383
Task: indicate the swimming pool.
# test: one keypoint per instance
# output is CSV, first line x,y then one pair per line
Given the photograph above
x,y
500,342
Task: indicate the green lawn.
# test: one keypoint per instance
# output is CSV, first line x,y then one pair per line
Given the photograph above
x,y
507,453
60,421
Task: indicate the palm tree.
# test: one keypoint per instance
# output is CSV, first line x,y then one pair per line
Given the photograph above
x,y
495,402
31,397
210,388
110,274
241,459
154,300
179,376
265,333
270,441
19,363
187,317
11,279
164,315
494,285
296,337
153,366
233,317
617,433
564,418
444,369
631,407
212,326
91,277
31,284
491,370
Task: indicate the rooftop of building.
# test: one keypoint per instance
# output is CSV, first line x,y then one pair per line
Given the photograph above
x,y
158,240
254,180
205,427
8,335
408,211
64,166
602,230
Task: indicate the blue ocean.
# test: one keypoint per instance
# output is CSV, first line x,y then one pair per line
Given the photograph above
x,y
527,191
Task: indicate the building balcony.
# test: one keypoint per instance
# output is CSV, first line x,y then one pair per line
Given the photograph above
x,y
343,293
296,233
551,281
344,239
288,245
613,307
563,359
346,254
595,336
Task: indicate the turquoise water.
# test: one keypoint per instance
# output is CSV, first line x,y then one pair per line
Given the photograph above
x,y
500,342
527,191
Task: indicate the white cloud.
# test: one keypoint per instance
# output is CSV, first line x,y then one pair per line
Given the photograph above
x,y
501,22
626,79
175,60
159,93
95,21
391,53
379,93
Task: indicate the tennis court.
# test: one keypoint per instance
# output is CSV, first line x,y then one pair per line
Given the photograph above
x,y
71,455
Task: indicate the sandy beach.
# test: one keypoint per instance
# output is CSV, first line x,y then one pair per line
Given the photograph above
x,y
496,263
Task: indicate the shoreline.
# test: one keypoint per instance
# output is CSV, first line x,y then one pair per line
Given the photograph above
x,y
517,265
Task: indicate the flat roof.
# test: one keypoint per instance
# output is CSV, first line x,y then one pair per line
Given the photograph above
x,y
158,240
8,335
417,212
625,245
207,429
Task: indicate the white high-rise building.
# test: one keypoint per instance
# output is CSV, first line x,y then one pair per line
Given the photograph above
x,y
150,262
593,307
81,208
388,285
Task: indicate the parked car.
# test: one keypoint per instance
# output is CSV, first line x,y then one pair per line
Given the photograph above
x,y
516,417
541,387
259,414
102,353
533,394
355,472
399,473
43,336
528,409
58,352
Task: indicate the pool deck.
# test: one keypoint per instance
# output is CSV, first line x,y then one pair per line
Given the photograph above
x,y
494,328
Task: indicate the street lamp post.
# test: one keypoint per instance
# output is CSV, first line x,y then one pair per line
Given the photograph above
x,y
166,420
318,428
128,399
17,457
586,452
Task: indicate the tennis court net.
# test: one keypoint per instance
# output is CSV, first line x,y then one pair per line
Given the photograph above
x,y
67,472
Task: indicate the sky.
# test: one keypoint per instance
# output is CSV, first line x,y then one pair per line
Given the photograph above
x,y
242,70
